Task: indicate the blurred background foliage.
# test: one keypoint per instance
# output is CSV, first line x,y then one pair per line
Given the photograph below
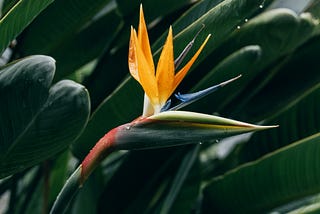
x,y
48,124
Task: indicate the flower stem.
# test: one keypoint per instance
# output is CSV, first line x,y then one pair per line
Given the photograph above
x,y
102,149
78,177
66,194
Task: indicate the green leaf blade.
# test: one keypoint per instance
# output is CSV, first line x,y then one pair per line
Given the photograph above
x,y
13,22
287,174
55,117
24,90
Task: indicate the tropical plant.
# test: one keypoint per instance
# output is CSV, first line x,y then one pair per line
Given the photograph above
x,y
65,83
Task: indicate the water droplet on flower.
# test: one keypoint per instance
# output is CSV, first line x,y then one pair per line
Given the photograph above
x,y
128,127
246,20
238,27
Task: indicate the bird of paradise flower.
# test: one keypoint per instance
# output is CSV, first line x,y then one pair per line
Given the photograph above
x,y
160,125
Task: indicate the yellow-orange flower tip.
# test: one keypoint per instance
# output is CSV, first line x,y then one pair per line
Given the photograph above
x,y
159,85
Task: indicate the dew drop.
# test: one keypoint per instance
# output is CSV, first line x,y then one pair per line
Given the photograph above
x,y
40,80
246,20
200,143
238,27
128,127
262,4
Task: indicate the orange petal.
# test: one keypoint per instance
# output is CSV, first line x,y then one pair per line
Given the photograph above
x,y
182,73
145,72
165,70
144,39
132,57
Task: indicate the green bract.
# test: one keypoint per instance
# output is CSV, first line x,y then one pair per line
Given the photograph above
x,y
174,128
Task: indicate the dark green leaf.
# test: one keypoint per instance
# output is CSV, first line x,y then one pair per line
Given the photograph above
x,y
58,22
112,112
88,196
314,8
86,45
152,8
278,33
291,80
280,177
138,193
298,119
179,188
18,18
37,123
241,62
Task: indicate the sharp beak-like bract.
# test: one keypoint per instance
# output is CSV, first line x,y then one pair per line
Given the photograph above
x,y
159,83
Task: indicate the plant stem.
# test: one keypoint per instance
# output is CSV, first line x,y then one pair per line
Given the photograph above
x,y
46,186
68,191
101,150
78,177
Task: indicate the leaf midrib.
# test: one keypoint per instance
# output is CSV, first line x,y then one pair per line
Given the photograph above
x,y
9,11
17,139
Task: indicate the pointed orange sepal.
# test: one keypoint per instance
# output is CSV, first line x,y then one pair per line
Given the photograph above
x,y
165,70
144,38
146,75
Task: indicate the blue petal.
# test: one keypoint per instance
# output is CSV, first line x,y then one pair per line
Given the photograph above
x,y
187,99
166,106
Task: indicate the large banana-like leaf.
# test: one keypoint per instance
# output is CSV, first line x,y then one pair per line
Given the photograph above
x,y
112,113
194,13
37,121
212,21
285,175
86,45
74,38
49,30
152,8
146,180
290,71
185,185
100,83
298,120
264,30
241,62
18,17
